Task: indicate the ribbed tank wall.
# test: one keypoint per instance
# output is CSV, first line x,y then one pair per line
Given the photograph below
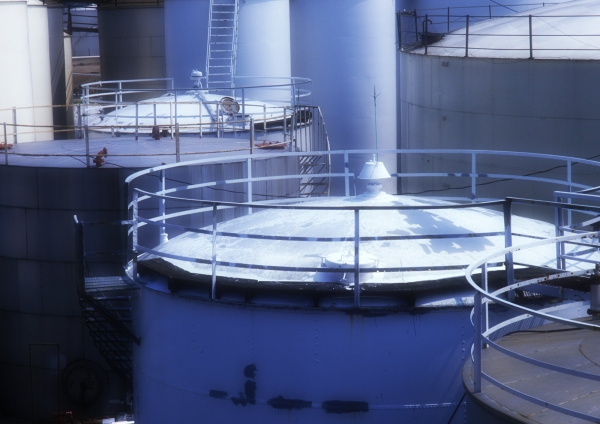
x,y
186,23
542,106
243,364
39,50
132,42
15,80
38,300
347,48
264,39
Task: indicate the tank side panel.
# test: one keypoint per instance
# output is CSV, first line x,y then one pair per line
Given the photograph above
x,y
132,42
186,35
199,358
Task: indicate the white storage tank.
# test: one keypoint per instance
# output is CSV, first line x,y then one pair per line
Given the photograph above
x,y
39,49
264,39
347,50
26,82
500,95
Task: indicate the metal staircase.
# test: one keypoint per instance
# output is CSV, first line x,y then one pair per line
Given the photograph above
x,y
106,306
222,43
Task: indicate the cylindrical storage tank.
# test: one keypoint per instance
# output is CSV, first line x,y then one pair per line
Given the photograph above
x,y
348,50
38,299
15,80
39,50
59,62
132,42
263,48
245,364
186,32
495,100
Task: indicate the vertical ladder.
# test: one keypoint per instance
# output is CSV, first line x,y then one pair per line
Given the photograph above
x,y
222,43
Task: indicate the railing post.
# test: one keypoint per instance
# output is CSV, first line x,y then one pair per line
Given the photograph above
x,y
244,106
346,171
510,275
200,118
356,259
251,135
249,183
484,285
79,121
163,237
218,119
154,108
285,125
425,32
416,26
477,343
176,120
5,146
14,125
467,38
86,136
448,19
171,119
177,147
560,247
213,292
473,176
490,9
530,39
136,120
134,236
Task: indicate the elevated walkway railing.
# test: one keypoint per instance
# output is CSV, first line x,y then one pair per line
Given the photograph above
x,y
485,336
181,200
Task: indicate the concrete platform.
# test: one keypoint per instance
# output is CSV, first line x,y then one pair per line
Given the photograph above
x,y
126,152
557,344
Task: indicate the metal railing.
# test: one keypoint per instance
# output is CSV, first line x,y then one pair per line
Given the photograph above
x,y
486,337
526,37
210,208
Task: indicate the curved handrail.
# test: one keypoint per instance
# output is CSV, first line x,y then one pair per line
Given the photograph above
x,y
482,335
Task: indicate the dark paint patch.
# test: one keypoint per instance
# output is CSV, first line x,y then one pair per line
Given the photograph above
x,y
239,400
250,371
219,394
282,403
250,389
344,406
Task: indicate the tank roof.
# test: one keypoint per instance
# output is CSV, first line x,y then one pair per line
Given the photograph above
x,y
561,31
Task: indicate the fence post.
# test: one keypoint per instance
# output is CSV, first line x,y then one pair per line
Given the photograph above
x,y
477,343
510,275
473,176
530,39
5,146
136,120
467,38
213,292
356,259
79,121
162,235
134,236
177,147
86,135
14,125
251,135
425,32
346,171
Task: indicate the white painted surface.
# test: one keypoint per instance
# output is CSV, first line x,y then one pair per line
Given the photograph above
x,y
346,48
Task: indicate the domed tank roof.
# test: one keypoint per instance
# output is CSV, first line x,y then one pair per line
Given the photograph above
x,y
430,238
562,31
